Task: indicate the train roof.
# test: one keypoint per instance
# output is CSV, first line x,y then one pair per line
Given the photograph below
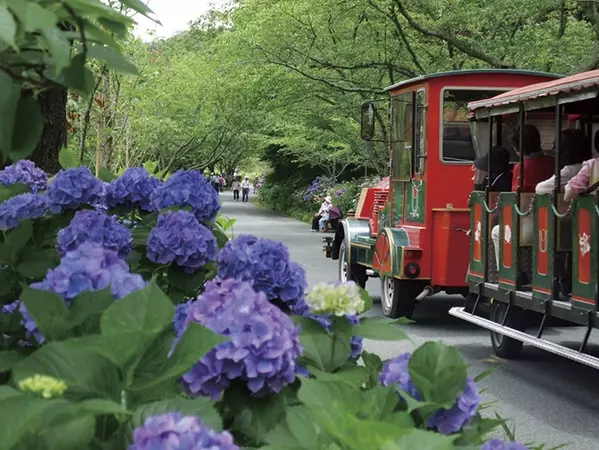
x,y
568,85
457,73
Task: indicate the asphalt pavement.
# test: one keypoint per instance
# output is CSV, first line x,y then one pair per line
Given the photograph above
x,y
548,399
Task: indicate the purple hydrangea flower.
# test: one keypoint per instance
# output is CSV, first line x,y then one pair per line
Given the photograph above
x,y
445,421
73,188
178,237
263,347
88,268
497,444
172,431
25,172
181,312
187,188
266,265
98,227
132,189
20,207
10,308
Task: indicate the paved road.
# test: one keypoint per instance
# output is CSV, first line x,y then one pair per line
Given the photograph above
x,y
549,399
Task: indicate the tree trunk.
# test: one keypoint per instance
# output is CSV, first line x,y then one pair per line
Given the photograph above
x,y
54,108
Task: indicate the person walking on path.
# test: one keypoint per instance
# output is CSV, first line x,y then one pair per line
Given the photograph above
x,y
236,186
245,190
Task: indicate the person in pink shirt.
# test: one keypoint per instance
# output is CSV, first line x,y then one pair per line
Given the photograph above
x,y
587,177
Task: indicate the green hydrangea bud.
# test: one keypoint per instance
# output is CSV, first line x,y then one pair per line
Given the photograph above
x,y
338,299
48,387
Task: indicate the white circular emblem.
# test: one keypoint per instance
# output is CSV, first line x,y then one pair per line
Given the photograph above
x,y
583,242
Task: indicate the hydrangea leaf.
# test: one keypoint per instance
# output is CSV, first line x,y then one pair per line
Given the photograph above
x,y
353,375
9,101
13,190
8,359
48,311
189,284
19,415
73,434
193,345
254,417
120,349
7,392
39,18
146,311
85,373
422,440
79,79
317,395
35,263
322,350
28,128
8,26
67,159
438,373
379,328
298,431
87,308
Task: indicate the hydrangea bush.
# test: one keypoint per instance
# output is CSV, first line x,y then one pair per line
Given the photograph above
x,y
114,336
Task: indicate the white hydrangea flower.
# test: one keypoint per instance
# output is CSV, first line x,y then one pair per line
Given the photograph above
x,y
338,299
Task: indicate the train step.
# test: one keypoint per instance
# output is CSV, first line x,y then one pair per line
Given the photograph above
x,y
543,344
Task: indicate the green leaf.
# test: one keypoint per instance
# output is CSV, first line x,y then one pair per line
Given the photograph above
x,y
35,263
438,373
380,402
138,6
10,94
29,125
106,175
59,47
7,392
322,350
112,58
8,26
195,343
87,308
67,159
8,359
74,433
146,311
16,239
422,440
353,375
13,190
21,414
254,417
39,18
319,395
379,328
49,312
299,431
85,373
100,407
189,284
81,81
367,298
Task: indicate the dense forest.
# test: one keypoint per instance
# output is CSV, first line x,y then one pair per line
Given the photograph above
x,y
282,81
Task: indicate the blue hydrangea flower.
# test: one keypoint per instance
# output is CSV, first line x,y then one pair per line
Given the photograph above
x,y
98,227
10,308
132,189
497,444
172,431
266,265
263,347
445,421
20,207
73,188
181,312
178,237
187,188
88,268
25,172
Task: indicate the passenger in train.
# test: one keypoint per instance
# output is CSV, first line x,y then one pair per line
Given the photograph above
x,y
587,177
573,152
501,170
537,168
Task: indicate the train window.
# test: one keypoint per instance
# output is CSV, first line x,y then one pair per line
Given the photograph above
x,y
456,140
401,136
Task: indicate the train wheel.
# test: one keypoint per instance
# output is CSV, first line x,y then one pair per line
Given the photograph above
x,y
504,346
350,272
399,297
